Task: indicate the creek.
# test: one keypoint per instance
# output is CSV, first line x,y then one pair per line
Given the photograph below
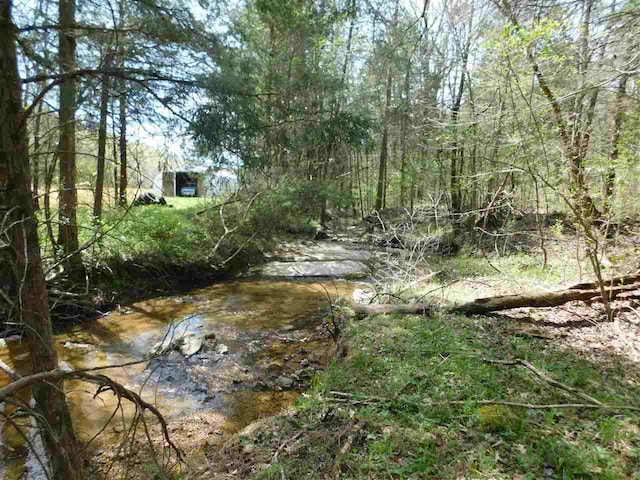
x,y
262,340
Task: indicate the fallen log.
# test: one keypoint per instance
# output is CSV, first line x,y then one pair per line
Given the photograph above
x,y
539,300
612,282
480,306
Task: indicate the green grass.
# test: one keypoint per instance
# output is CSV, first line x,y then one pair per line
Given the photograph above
x,y
187,202
182,233
410,360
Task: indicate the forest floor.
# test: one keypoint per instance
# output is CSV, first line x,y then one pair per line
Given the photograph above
x,y
533,393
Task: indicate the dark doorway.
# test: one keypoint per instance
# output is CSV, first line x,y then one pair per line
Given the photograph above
x,y
186,185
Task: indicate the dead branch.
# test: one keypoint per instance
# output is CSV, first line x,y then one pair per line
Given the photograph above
x,y
354,431
540,300
348,398
508,403
548,379
104,384
10,372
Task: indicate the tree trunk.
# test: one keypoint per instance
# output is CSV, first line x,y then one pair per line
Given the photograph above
x,y
457,153
123,146
122,199
114,144
102,139
382,167
68,196
17,202
384,144
405,127
615,132
49,171
35,159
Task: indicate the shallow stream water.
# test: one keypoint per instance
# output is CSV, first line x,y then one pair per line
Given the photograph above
x,y
269,329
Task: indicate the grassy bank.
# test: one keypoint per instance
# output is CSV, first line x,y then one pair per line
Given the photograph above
x,y
412,403
154,250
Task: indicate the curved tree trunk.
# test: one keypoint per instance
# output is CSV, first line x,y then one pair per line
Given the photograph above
x,y
575,146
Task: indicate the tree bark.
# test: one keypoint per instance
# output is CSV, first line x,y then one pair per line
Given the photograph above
x,y
68,196
16,203
102,138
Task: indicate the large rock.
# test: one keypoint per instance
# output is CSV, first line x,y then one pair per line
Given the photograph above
x,y
285,383
320,252
148,199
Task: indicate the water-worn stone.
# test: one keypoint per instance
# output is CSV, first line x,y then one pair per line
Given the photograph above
x,y
363,295
285,383
190,344
222,348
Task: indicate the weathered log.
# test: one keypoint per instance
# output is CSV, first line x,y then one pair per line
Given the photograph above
x,y
612,282
537,300
613,288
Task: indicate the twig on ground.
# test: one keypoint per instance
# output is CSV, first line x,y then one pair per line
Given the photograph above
x,y
354,431
545,377
279,451
341,397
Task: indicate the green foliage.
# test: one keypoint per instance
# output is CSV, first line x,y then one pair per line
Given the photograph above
x,y
186,235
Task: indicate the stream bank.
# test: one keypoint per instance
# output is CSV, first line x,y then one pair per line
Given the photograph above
x,y
262,340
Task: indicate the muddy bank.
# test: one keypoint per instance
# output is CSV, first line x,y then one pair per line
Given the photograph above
x,y
124,282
